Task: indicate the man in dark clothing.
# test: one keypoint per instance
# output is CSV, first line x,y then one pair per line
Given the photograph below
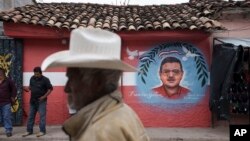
x,y
40,88
7,97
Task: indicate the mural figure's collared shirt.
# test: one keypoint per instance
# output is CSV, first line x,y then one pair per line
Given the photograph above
x,y
182,92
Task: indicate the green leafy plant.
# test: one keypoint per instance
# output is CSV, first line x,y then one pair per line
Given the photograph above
x,y
200,66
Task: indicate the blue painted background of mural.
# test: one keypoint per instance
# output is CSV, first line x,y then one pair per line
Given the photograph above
x,y
195,78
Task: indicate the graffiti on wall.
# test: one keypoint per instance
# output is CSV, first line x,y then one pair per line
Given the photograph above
x,y
5,63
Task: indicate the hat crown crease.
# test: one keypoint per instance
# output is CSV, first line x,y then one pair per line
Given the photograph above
x,y
106,45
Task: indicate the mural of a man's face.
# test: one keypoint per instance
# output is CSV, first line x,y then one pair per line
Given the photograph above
x,y
171,74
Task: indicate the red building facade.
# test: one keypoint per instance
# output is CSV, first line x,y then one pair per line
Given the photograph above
x,y
39,42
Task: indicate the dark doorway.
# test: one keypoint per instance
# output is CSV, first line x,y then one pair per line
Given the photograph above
x,y
229,81
11,58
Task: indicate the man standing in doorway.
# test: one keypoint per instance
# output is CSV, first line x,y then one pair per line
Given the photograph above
x,y
40,88
7,97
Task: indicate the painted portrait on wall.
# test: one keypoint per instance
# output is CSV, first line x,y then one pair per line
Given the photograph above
x,y
171,86
172,73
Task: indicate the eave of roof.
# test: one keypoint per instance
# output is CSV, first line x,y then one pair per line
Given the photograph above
x,y
196,15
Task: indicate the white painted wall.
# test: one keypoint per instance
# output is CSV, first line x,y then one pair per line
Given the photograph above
x,y
236,28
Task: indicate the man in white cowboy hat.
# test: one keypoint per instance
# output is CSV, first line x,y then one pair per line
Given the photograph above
x,y
93,70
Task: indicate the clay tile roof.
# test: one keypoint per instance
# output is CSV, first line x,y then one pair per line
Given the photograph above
x,y
197,14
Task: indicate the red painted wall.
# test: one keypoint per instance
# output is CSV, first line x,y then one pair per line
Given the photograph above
x,y
39,42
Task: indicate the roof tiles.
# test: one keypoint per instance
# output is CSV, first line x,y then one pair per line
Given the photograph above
x,y
194,15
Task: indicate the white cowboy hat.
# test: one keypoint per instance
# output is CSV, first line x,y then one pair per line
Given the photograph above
x,y
90,48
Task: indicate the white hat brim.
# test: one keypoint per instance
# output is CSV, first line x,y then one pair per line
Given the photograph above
x,y
65,59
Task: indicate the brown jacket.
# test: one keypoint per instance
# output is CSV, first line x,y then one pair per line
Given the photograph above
x,y
107,119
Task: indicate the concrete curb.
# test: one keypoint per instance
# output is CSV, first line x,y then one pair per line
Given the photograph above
x,y
189,134
55,133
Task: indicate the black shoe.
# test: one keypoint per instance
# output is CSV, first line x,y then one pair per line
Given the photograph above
x,y
8,134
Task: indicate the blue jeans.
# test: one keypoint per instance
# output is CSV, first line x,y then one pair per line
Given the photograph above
x,y
39,107
6,114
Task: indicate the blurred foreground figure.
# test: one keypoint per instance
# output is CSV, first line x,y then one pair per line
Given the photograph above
x,y
93,70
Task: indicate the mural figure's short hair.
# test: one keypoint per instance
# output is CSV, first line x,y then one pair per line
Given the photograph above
x,y
170,60
37,69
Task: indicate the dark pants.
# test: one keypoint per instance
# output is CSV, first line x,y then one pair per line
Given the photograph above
x,y
39,107
6,116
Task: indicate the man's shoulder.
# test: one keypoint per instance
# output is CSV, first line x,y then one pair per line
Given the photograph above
x,y
9,80
32,77
121,114
45,78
